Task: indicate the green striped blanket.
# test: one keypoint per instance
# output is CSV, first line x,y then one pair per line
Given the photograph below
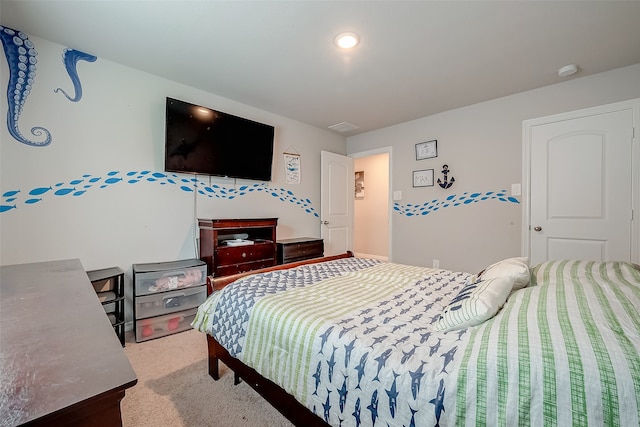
x,y
562,352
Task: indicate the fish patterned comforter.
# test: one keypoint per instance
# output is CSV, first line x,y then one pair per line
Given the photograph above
x,y
354,341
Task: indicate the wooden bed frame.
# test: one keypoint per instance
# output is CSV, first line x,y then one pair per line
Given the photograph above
x,y
286,404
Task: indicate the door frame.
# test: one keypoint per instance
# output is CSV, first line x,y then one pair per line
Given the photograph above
x,y
527,125
388,150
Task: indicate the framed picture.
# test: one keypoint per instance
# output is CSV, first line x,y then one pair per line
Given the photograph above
x,y
360,185
427,150
423,178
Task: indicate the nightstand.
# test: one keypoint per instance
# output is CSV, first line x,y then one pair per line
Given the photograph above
x,y
299,248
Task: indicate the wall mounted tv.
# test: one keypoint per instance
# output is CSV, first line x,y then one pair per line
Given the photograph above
x,y
200,140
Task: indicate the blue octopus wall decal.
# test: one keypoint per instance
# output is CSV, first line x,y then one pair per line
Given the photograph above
x,y
78,187
70,58
21,58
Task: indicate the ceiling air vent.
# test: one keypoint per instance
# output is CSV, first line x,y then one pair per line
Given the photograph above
x,y
343,127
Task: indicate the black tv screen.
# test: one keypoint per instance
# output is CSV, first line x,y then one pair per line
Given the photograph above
x,y
203,141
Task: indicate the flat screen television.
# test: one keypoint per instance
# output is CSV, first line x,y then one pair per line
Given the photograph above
x,y
200,140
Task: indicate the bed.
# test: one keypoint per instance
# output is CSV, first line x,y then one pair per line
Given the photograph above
x,y
359,342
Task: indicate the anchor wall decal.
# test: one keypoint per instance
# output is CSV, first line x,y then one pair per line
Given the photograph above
x,y
445,183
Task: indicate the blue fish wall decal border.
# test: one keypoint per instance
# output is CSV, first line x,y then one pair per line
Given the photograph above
x,y
21,58
70,58
77,187
452,201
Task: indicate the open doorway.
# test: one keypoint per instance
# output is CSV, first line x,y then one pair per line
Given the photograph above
x,y
372,204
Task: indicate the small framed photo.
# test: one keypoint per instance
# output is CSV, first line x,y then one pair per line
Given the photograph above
x,y
423,178
359,184
427,150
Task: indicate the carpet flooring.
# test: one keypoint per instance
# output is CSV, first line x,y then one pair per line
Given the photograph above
x,y
174,388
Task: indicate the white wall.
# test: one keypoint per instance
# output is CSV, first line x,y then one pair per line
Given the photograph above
x,y
482,144
118,126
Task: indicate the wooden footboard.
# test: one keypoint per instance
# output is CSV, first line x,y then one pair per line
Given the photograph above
x,y
286,404
217,283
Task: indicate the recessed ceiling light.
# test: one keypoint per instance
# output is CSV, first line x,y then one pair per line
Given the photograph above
x,y
346,40
568,70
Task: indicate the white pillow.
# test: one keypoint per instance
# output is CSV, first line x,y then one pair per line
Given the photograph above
x,y
515,268
475,303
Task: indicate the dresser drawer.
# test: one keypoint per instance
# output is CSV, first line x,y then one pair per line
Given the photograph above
x,y
169,302
241,254
227,270
298,249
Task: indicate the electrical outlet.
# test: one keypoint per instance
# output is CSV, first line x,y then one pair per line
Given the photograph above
x,y
436,263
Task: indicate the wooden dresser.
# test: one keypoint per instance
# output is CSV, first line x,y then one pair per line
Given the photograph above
x,y
299,249
60,362
231,246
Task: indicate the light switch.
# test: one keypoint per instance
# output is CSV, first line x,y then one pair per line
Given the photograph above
x,y
516,189
397,195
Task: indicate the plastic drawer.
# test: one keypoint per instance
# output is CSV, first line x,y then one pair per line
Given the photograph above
x,y
107,296
104,285
110,308
171,279
156,327
106,279
170,302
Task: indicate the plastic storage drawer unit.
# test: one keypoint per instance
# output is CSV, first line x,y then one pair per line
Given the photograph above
x,y
166,296
109,286
170,302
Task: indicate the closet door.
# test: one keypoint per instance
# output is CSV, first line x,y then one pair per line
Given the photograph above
x,y
580,186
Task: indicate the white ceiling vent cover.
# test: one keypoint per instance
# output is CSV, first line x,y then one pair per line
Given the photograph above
x,y
343,127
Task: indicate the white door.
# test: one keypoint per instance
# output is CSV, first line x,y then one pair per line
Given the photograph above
x,y
581,187
336,202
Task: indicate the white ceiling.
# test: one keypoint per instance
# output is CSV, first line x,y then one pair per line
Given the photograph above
x,y
416,58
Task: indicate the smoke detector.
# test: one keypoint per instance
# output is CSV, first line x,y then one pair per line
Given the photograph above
x,y
568,70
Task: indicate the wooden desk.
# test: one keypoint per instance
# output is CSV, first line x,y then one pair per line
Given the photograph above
x,y
60,362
